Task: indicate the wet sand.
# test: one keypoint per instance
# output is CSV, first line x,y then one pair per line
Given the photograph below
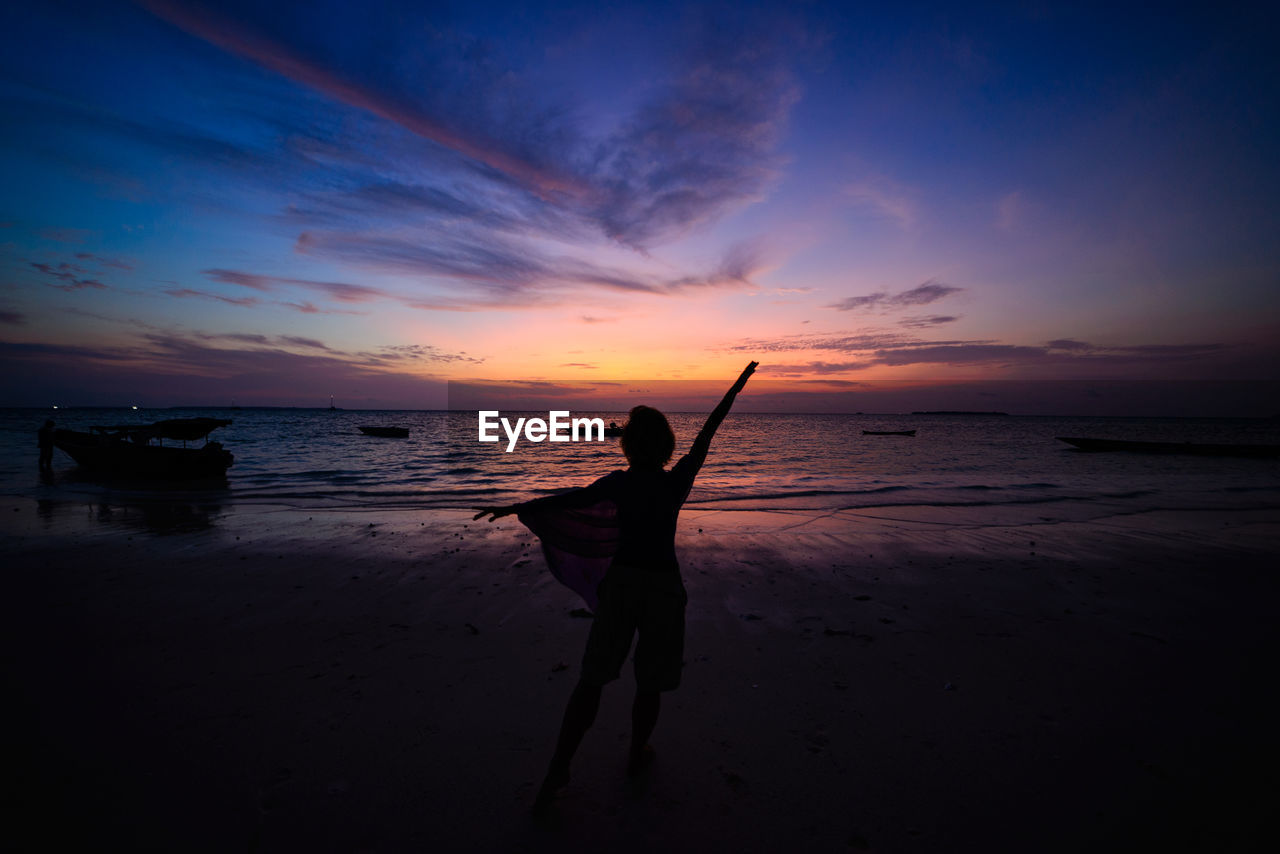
x,y
259,678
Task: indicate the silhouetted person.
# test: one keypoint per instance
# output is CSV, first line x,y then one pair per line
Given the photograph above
x,y
45,437
642,590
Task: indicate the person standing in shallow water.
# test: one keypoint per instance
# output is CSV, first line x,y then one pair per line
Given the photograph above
x,y
642,592
45,437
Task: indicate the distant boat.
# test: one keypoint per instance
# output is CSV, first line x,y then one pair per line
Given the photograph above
x,y
138,450
613,430
956,412
888,432
1193,448
386,432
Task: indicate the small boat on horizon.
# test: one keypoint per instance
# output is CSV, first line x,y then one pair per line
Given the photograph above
x,y
888,432
1199,449
385,432
138,450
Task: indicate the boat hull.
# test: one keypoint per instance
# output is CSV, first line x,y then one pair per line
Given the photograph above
x,y
114,456
1189,448
386,432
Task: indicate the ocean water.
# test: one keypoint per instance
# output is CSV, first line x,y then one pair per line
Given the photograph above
x,y
990,466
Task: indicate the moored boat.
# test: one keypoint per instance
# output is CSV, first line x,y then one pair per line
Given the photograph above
x,y
386,432
1192,448
138,450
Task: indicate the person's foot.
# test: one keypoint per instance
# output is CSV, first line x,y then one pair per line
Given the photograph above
x,y
557,778
640,760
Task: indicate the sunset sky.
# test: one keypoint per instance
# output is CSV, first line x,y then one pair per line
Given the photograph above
x,y
276,202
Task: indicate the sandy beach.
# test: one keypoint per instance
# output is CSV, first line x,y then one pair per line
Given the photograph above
x,y
257,678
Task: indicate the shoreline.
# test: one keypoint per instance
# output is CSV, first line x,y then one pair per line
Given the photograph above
x,y
155,501
381,679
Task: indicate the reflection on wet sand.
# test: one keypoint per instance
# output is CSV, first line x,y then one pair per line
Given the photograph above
x,y
156,516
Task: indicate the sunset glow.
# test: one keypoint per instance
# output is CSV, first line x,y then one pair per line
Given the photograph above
x,y
211,202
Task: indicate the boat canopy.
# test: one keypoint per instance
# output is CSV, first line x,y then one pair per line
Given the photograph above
x,y
183,429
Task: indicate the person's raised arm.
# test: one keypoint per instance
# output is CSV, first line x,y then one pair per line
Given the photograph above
x,y
698,452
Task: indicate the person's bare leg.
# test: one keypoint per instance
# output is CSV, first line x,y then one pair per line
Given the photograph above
x,y
579,715
644,717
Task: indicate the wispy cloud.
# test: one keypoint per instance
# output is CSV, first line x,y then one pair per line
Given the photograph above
x,y
1069,344
264,340
172,369
496,272
186,293
154,134
847,343
885,199
892,350
741,261
364,82
926,322
784,369
498,267
1138,352
304,307
304,342
312,308
340,291
105,262
922,294
67,276
419,353
969,353
707,143
278,361
13,318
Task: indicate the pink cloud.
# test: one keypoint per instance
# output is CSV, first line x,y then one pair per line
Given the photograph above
x,y
341,291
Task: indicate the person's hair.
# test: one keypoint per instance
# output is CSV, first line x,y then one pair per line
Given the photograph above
x,y
647,439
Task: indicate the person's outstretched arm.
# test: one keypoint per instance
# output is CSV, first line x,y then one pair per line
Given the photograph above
x,y
582,497
495,513
698,452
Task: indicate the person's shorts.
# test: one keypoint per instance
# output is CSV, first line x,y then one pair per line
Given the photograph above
x,y
650,602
